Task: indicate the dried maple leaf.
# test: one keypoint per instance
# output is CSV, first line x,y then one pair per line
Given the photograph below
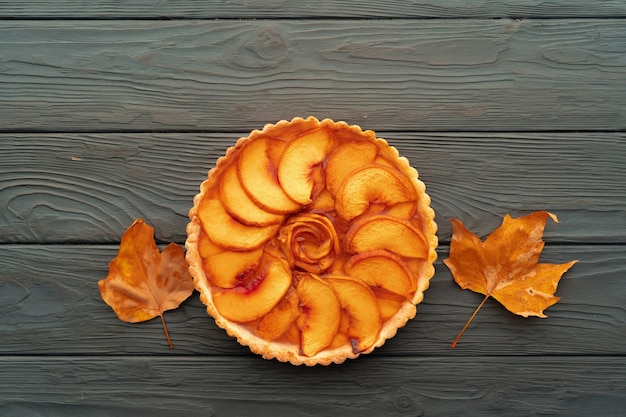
x,y
505,266
143,282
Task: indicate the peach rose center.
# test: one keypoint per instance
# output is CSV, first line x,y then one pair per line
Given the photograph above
x,y
310,242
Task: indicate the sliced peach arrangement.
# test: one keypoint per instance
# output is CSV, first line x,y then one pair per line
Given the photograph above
x,y
360,307
228,232
388,232
259,289
369,185
300,171
347,158
382,269
279,320
320,314
257,170
311,241
239,204
223,266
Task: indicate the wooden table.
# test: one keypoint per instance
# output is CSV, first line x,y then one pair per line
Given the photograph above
x,y
111,111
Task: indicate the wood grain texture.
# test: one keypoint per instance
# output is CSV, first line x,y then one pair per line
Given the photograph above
x,y
319,9
89,188
50,305
215,75
112,110
170,386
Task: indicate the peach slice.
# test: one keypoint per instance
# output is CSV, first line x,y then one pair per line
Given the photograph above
x,y
404,210
345,159
386,232
324,203
292,335
416,266
361,307
341,339
275,323
320,314
379,268
240,205
388,302
222,266
228,232
257,170
300,171
259,291
373,184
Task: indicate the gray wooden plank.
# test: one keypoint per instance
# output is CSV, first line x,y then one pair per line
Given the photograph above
x,y
216,75
90,187
50,305
170,386
318,9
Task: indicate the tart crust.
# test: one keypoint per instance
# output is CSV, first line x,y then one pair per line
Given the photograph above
x,y
289,352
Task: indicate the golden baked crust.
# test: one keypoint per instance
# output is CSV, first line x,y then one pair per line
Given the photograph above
x,y
271,232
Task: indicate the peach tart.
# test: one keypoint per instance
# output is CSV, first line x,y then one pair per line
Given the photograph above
x,y
311,241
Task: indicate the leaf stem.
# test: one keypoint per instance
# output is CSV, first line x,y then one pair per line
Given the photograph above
x,y
167,335
453,345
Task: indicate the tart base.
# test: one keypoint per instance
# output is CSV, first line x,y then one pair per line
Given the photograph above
x,y
288,352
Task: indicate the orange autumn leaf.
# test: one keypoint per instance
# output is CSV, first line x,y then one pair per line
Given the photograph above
x,y
143,282
505,266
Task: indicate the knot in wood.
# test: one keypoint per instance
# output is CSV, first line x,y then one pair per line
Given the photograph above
x,y
498,399
407,405
267,49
